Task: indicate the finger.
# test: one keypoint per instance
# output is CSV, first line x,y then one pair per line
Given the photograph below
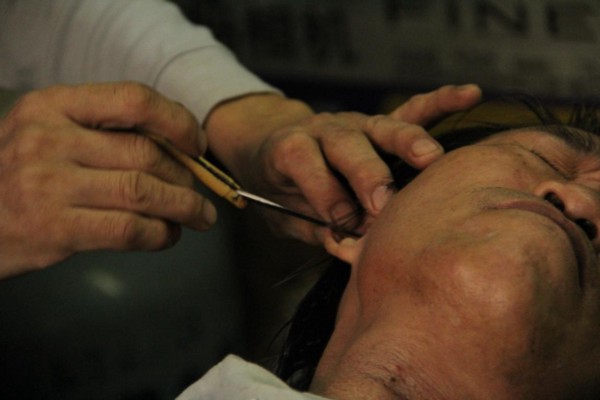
x,y
425,108
409,142
299,158
143,194
116,230
350,152
126,151
128,105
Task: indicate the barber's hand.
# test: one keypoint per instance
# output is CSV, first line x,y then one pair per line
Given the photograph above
x,y
292,160
69,181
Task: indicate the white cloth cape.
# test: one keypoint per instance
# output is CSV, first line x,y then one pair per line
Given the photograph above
x,y
236,379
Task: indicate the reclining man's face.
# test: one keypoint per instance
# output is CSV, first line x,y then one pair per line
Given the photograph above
x,y
476,281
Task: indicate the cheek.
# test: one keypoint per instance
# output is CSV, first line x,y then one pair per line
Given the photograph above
x,y
376,274
510,283
507,266
519,291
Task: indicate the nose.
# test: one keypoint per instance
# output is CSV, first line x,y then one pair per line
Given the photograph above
x,y
579,203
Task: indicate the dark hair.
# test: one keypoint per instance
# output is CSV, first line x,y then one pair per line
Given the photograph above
x,y
313,323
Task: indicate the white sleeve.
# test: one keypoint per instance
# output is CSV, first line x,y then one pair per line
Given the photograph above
x,y
43,42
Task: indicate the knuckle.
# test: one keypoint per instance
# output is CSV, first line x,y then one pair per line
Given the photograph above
x,y
30,186
185,126
60,247
26,107
188,203
376,121
444,90
336,145
32,142
339,137
144,153
126,230
41,261
320,118
34,103
137,97
186,119
368,172
418,99
184,178
131,189
337,133
293,144
26,183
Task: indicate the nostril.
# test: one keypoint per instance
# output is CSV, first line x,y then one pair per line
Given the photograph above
x,y
588,227
553,199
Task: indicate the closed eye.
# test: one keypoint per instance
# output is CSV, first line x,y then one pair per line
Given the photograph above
x,y
550,164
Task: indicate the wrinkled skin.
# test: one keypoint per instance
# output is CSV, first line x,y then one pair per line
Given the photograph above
x,y
470,285
72,183
284,152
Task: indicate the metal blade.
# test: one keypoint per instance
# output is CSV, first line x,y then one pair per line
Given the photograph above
x,y
278,207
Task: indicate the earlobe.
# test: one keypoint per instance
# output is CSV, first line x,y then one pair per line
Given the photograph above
x,y
347,249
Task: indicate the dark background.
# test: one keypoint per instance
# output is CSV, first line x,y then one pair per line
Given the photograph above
x,y
145,325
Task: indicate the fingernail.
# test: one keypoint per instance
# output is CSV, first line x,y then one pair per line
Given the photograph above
x,y
380,197
424,147
348,242
468,86
209,213
341,212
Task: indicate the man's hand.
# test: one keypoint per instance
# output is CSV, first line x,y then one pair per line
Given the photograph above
x,y
279,149
75,176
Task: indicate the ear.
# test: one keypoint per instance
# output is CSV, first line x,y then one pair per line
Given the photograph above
x,y
347,249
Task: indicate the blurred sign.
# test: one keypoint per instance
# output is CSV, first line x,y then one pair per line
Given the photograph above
x,y
543,46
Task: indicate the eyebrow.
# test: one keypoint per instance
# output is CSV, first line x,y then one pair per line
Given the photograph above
x,y
580,140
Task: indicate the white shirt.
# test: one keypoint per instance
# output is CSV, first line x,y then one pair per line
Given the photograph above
x,y
236,379
44,42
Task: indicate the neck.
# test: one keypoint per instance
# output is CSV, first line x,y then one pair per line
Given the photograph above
x,y
362,366
357,378
401,366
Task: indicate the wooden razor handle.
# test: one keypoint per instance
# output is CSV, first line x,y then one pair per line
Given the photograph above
x,y
209,175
